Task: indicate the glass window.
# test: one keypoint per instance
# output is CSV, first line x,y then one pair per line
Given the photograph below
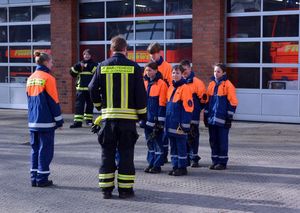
x,y
243,27
3,54
243,52
19,33
141,54
45,49
176,7
19,74
41,33
280,78
177,52
20,54
280,52
97,51
91,10
19,14
271,5
119,9
3,74
244,77
3,34
19,1
179,29
149,7
240,6
149,30
117,28
41,13
91,31
3,15
3,1
281,26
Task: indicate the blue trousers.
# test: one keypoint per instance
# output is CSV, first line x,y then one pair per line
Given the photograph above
x,y
155,155
194,146
178,151
218,139
42,150
165,140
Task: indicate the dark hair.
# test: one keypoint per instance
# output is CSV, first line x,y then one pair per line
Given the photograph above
x,y
221,66
41,57
152,65
118,44
88,51
178,67
154,48
185,63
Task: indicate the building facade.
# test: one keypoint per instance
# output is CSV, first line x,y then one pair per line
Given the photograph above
x,y
257,39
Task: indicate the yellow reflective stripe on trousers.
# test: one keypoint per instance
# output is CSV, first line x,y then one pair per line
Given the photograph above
x,y
141,111
126,177
106,176
125,185
117,69
106,184
124,90
109,90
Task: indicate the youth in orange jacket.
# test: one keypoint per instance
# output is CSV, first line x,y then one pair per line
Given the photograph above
x,y
156,111
44,116
178,117
199,98
218,114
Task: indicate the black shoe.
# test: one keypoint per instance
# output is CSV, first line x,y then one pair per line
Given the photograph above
x,y
124,195
212,167
171,172
147,169
45,184
33,183
180,172
220,167
155,170
107,195
89,123
195,164
76,125
166,160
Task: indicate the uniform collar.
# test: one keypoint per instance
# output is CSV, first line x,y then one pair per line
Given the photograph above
x,y
160,61
223,78
190,78
42,68
118,55
179,83
157,77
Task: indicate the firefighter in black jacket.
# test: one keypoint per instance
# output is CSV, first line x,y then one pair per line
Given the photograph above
x,y
117,89
84,71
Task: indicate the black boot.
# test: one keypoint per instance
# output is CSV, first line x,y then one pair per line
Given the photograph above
x,y
107,195
126,194
220,167
155,170
76,125
180,172
45,184
147,169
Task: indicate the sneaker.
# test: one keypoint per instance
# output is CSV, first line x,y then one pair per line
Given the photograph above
x,y
195,164
147,169
124,195
155,170
212,167
107,195
171,172
76,125
180,172
220,167
45,184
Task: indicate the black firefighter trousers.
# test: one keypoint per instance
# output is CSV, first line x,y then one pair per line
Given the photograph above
x,y
117,136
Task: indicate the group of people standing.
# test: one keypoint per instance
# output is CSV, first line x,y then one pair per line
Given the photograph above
x,y
167,102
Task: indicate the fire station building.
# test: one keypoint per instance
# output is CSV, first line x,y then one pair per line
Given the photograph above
x,y
257,39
